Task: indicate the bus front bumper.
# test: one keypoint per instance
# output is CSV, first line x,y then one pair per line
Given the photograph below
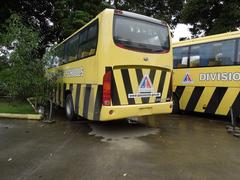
x,y
119,112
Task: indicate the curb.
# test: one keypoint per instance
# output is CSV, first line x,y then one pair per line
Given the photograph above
x,y
21,116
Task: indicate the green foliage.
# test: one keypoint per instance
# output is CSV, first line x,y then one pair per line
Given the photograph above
x,y
23,75
16,107
70,15
4,72
66,16
211,16
168,10
34,13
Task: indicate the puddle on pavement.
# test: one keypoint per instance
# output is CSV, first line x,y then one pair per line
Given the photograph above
x,y
120,130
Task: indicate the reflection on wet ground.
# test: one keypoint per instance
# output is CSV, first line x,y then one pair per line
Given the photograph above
x,y
150,125
154,147
119,130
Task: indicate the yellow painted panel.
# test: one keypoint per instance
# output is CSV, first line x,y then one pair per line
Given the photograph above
x,y
92,101
227,101
74,94
61,98
135,85
155,84
120,86
145,71
204,99
185,97
208,76
57,94
67,86
81,100
166,86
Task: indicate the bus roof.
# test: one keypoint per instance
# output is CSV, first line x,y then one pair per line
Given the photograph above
x,y
217,37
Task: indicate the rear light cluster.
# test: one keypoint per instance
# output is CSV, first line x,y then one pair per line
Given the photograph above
x,y
106,98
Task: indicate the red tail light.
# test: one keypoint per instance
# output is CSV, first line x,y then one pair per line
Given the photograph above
x,y
107,78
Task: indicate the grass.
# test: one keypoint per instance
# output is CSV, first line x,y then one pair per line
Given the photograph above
x,y
16,107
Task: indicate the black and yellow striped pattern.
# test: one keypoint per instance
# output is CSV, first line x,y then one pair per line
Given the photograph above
x,y
87,98
210,100
127,80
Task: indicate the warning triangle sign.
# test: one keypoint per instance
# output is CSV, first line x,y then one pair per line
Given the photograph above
x,y
187,78
145,84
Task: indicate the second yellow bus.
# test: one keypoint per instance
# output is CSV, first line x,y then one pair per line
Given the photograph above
x,y
206,76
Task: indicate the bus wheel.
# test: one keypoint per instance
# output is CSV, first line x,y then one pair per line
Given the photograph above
x,y
69,108
176,109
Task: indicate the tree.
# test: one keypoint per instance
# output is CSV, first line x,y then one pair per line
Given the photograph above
x,y
54,19
35,13
23,75
70,15
167,10
57,19
211,16
3,75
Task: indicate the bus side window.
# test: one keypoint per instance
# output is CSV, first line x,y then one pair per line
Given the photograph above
x,y
58,56
180,57
72,48
82,41
204,54
194,56
228,52
222,53
92,40
64,60
238,54
213,54
88,41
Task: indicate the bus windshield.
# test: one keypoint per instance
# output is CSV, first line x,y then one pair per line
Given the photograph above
x,y
140,35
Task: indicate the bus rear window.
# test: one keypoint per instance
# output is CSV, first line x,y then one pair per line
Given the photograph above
x,y
140,35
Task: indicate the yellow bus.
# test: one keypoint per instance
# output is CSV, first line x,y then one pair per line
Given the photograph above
x,y
117,66
206,75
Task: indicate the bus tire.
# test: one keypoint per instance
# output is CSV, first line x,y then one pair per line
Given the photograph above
x,y
69,108
176,108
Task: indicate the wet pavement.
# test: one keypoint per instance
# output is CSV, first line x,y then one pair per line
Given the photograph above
x,y
160,147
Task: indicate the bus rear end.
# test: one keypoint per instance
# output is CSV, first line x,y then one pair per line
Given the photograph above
x,y
137,63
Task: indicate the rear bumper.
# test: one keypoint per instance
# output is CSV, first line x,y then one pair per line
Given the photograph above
x,y
119,112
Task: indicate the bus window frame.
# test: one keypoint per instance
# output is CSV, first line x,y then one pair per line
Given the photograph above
x,y
188,57
189,49
68,44
85,42
96,21
237,52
